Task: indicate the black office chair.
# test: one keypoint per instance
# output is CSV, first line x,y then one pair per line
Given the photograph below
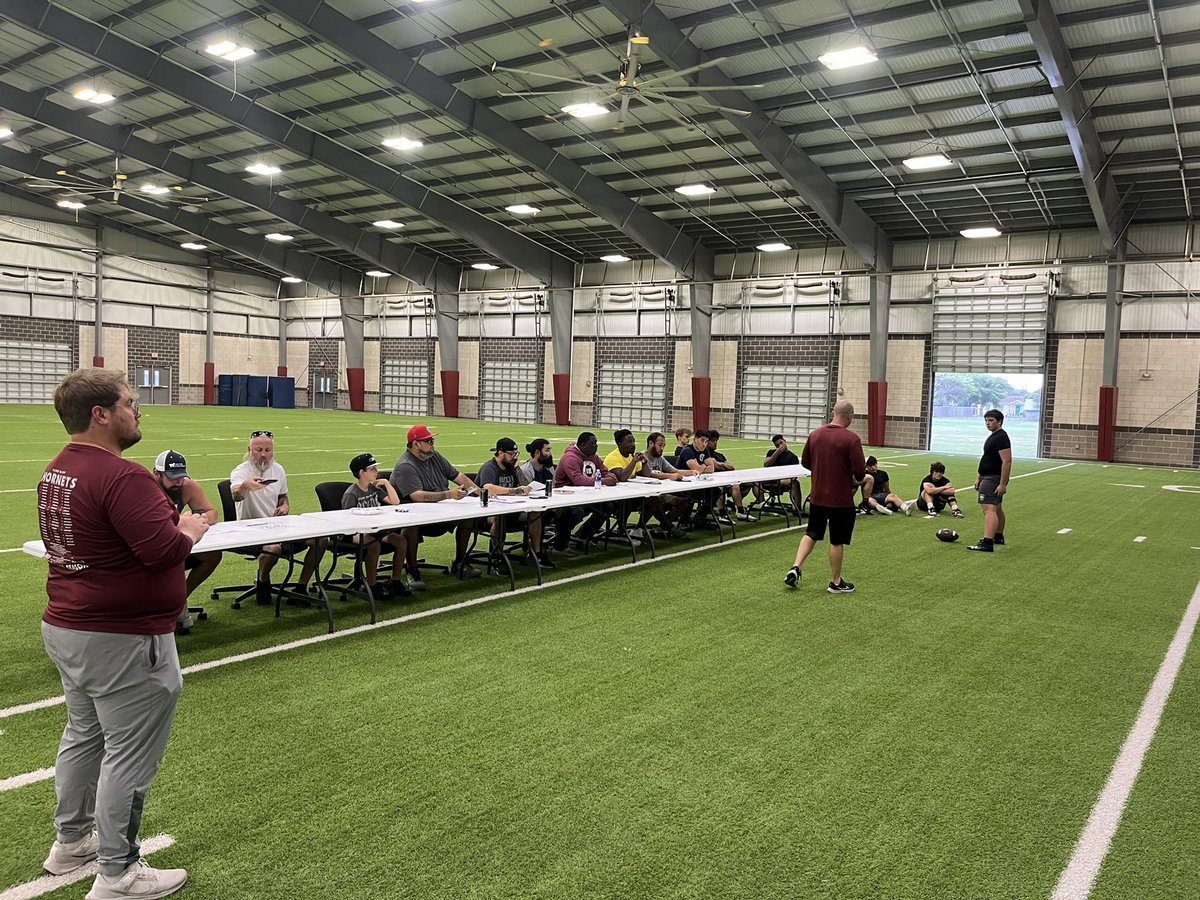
x,y
777,501
329,496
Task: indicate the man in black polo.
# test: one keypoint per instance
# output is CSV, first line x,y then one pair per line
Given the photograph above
x,y
995,467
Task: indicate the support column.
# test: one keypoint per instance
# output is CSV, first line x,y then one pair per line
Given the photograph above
x,y
446,305
281,358
880,295
353,313
562,330
701,321
98,325
210,367
1107,417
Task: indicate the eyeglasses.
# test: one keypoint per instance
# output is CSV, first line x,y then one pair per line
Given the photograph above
x,y
266,434
131,403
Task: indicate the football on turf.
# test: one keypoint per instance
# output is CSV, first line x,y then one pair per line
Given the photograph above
x,y
949,535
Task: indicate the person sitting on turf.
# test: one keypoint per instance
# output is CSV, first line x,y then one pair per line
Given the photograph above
x,y
670,507
721,464
936,492
259,487
170,474
578,467
501,476
877,492
370,491
780,455
420,476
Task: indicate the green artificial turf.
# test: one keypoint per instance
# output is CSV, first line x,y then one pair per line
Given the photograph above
x,y
688,728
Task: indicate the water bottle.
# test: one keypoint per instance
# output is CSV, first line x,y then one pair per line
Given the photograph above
x,y
596,480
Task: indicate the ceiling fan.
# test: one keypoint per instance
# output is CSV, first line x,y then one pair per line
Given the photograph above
x,y
72,184
627,86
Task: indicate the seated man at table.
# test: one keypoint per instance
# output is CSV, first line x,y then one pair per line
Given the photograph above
x,y
721,464
259,487
540,465
367,492
420,476
501,476
695,460
578,468
669,507
780,455
683,437
170,473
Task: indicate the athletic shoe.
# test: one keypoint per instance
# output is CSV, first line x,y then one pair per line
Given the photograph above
x,y
302,602
381,590
958,514
932,514
546,561
64,858
414,582
984,546
139,880
999,538
842,587
262,593
744,516
792,577
185,623
907,507
723,519
883,509
677,532
465,569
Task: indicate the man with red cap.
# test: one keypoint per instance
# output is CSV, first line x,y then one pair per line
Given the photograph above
x,y
421,475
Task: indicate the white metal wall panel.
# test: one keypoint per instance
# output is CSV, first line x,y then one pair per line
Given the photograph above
x,y
30,371
788,400
404,387
510,392
631,395
989,328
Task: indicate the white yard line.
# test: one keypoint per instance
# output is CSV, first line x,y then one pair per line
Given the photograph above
x,y
49,883
412,617
1042,471
1139,539
19,781
1077,878
1118,484
1064,530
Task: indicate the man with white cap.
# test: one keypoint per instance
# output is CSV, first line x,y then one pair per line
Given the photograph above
x,y
171,474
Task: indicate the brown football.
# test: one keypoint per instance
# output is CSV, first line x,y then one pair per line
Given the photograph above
x,y
949,535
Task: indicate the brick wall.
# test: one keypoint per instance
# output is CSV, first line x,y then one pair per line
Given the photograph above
x,y
659,351
792,350
42,331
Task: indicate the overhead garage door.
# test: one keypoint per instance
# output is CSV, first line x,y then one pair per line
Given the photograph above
x,y
631,395
510,392
29,372
787,400
404,387
990,328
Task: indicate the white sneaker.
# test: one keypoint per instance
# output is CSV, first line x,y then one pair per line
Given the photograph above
x,y
414,582
64,858
139,880
883,509
743,516
907,506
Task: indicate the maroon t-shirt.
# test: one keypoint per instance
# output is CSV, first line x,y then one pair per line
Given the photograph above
x,y
834,455
115,551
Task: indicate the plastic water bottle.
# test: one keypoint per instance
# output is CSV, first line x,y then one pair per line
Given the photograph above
x,y
596,480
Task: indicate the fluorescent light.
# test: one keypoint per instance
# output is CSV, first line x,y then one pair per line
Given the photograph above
x,y
402,143
291,279
923,163
615,258
229,51
5,131
155,189
375,273
387,223
523,209
987,232
239,53
71,204
695,190
263,169
774,247
83,93
192,245
279,238
103,98
484,267
844,59
584,110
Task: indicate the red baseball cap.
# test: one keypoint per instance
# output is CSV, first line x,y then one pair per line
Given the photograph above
x,y
419,433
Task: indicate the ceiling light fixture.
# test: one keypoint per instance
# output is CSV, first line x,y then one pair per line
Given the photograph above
x,y
5,131
263,169
229,51
925,163
522,209
387,223
71,204
844,59
985,232
615,258
279,238
774,247
484,267
91,95
584,110
192,245
155,189
695,190
403,143
291,279
375,273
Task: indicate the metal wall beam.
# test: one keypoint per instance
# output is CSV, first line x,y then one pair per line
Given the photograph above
x,y
686,255
844,217
91,39
1059,71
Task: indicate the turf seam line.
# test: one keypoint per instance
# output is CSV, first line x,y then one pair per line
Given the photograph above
x,y
19,781
48,883
1076,880
412,617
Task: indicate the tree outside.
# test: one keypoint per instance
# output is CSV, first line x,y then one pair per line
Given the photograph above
x,y
961,398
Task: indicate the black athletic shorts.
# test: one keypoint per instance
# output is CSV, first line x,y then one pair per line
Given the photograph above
x,y
987,491
939,503
839,519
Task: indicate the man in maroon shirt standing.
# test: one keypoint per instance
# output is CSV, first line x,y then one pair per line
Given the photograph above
x,y
116,548
834,455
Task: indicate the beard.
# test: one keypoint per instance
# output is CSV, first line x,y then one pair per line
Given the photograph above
x,y
260,467
127,440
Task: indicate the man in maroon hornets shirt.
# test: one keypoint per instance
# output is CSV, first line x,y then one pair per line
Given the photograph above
x,y
116,548
834,455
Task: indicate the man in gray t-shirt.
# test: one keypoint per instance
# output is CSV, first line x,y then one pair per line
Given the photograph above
x,y
670,507
501,476
421,475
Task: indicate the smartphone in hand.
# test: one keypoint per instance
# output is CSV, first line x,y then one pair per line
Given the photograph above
x,y
268,481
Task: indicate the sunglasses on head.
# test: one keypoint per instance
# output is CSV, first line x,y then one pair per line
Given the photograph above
x,y
266,434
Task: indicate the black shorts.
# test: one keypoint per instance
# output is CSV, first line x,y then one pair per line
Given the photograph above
x,y
880,497
939,503
987,490
839,519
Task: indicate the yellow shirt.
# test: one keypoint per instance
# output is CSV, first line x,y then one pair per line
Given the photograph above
x,y
615,460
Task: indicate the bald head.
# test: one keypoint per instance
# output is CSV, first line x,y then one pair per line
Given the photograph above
x,y
843,412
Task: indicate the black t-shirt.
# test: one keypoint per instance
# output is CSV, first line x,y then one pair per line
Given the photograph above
x,y
786,458
936,480
881,481
990,463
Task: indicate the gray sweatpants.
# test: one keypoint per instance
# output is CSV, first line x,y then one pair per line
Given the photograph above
x,y
121,691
